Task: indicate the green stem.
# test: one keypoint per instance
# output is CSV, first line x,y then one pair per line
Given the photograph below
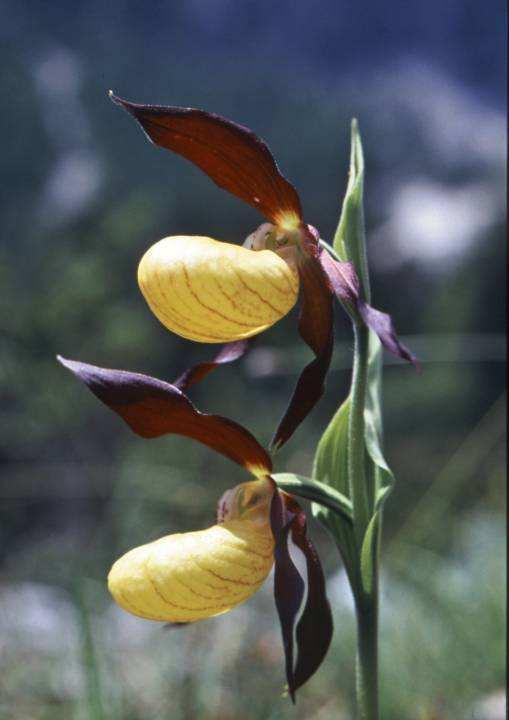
x,y
350,245
356,443
366,602
367,658
89,657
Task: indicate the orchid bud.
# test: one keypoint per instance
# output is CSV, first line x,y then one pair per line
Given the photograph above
x,y
211,291
195,575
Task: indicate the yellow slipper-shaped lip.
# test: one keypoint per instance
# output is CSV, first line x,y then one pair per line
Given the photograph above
x,y
211,291
195,575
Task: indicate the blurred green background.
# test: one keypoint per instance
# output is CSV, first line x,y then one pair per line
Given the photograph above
x,y
83,195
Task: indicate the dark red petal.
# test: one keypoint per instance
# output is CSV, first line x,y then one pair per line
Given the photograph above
x,y
344,280
383,326
228,353
153,408
313,629
315,327
289,587
231,155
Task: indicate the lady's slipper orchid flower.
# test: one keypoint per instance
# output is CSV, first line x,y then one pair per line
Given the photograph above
x,y
191,576
196,575
212,291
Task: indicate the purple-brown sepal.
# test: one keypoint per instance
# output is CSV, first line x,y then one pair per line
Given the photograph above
x,y
153,408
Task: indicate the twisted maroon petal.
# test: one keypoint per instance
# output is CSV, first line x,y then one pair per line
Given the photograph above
x,y
315,327
289,587
312,628
153,408
228,353
315,628
345,283
381,323
231,155
342,277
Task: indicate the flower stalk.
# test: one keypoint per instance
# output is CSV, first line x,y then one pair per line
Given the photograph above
x,y
366,599
357,479
352,444
367,659
363,496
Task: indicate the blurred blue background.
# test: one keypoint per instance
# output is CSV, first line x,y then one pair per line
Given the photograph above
x,y
83,195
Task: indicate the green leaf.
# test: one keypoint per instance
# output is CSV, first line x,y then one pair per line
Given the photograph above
x,y
349,240
342,533
331,459
315,491
373,427
369,555
330,468
350,244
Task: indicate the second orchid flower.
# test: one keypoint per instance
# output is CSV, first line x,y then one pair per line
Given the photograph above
x,y
192,576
